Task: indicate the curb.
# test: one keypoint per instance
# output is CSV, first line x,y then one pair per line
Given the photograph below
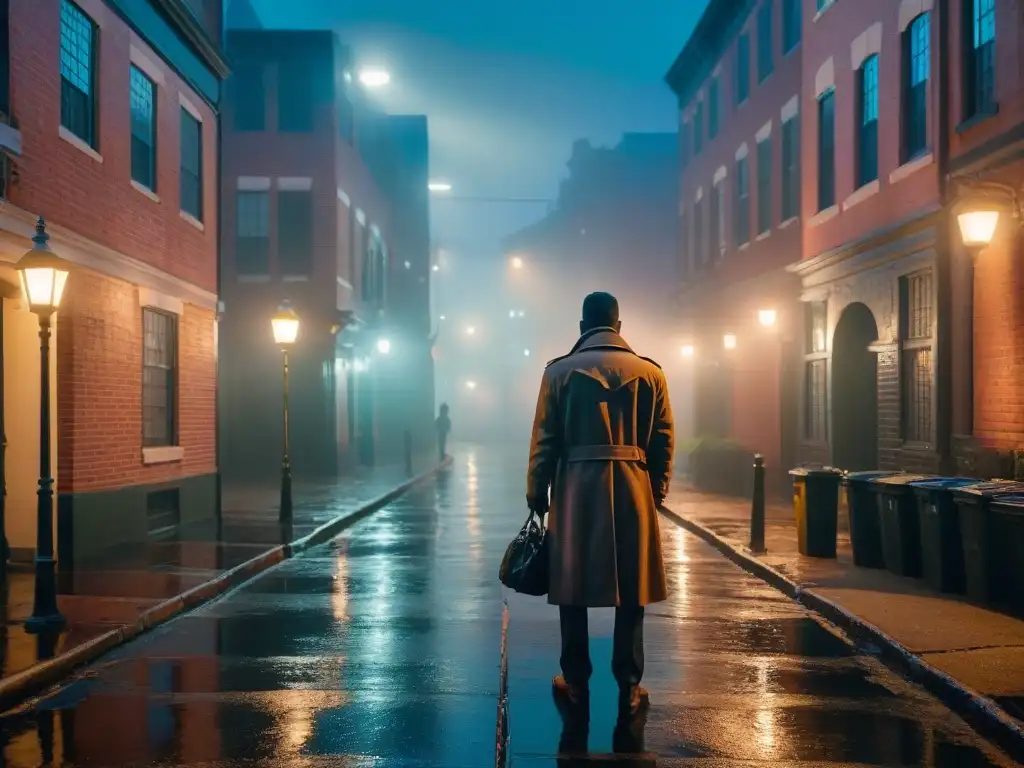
x,y
18,687
979,711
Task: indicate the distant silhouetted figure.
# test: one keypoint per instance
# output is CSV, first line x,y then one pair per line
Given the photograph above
x,y
443,425
602,443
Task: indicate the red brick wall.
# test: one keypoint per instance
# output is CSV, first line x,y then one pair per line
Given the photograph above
x,y
99,388
832,35
96,199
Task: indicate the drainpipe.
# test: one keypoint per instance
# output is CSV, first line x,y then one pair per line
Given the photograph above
x,y
217,452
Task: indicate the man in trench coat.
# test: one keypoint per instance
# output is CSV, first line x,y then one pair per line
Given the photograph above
x,y
602,443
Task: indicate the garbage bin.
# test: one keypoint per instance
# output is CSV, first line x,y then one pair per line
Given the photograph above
x,y
897,513
983,581
816,506
942,548
1008,543
865,531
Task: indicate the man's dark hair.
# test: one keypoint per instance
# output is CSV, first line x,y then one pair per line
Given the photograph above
x,y
600,310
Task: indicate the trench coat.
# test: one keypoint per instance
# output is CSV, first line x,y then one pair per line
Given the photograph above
x,y
602,442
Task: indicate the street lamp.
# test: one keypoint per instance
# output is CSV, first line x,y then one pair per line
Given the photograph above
x,y
470,330
43,278
439,186
729,341
383,346
517,262
977,227
374,77
471,385
687,350
285,325
767,317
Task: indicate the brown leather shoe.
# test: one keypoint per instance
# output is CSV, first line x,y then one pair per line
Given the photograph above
x,y
563,689
633,699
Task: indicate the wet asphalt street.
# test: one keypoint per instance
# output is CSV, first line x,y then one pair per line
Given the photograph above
x,y
382,649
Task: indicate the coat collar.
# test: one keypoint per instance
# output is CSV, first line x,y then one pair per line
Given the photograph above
x,y
600,338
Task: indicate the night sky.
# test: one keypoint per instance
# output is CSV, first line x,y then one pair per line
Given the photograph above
x,y
508,87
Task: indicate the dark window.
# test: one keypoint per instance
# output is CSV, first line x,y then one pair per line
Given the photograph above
x,y
742,68
765,54
295,96
698,128
741,217
917,361
374,266
817,325
191,165
77,72
716,230
826,150
295,231
143,108
790,168
159,378
791,23
713,108
816,417
684,143
354,243
699,246
980,56
867,123
250,108
916,71
684,241
252,238
764,186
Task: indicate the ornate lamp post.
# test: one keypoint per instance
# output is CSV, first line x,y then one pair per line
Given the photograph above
x,y
43,277
285,325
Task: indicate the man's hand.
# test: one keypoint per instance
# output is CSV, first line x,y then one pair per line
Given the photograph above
x,y
538,504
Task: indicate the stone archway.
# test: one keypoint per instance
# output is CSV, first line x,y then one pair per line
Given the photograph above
x,y
854,402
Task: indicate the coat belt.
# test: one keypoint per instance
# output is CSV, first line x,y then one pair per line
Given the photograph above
x,y
605,453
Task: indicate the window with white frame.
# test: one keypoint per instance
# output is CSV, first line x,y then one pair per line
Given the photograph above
x,y
764,185
77,73
816,373
159,378
790,168
143,128
916,73
917,362
741,215
252,240
867,122
979,77
826,150
191,165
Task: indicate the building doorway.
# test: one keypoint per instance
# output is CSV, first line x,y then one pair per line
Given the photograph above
x,y
854,402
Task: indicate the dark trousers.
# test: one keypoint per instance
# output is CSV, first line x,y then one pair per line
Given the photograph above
x,y
627,645
442,445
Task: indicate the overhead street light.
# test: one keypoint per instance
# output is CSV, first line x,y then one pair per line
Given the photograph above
x,y
517,262
439,186
285,325
470,330
383,346
470,385
374,77
729,341
767,317
977,227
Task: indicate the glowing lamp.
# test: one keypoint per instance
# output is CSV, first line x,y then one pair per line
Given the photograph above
x,y
977,227
43,274
687,350
383,346
286,325
729,341
767,317
517,263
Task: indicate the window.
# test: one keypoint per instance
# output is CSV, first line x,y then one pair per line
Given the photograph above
x,y
979,57
5,58
713,108
250,109
143,109
716,241
252,236
823,4
826,150
816,416
916,71
698,128
816,384
295,231
295,96
790,168
77,72
374,269
791,22
742,68
700,249
191,165
867,124
764,186
741,221
684,241
684,143
159,378
917,372
765,61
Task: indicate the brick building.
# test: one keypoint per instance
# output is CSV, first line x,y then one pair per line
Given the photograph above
x,y
738,85
308,218
109,130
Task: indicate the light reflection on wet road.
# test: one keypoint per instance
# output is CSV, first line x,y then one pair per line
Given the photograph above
x,y
382,650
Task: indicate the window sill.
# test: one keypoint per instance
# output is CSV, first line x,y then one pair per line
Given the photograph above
x,y
911,166
10,139
824,215
763,236
744,246
789,222
80,145
975,120
142,189
294,278
193,220
164,454
860,195
823,11
254,278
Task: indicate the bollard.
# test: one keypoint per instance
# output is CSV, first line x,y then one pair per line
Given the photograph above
x,y
408,452
757,508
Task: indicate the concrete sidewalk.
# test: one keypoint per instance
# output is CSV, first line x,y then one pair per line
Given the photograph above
x,y
974,652
140,586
